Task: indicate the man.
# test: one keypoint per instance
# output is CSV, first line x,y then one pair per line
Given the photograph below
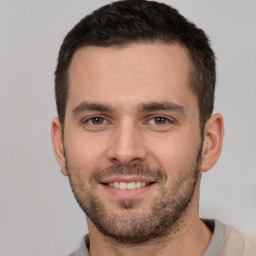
x,y
134,90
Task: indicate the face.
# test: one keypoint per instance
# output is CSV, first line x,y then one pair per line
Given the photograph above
x,y
132,138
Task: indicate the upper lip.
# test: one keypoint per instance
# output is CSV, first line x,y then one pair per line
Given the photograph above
x,y
127,178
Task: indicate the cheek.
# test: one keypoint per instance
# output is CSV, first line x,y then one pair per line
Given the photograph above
x,y
84,154
173,153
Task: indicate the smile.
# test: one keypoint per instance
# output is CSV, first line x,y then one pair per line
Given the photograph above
x,y
128,185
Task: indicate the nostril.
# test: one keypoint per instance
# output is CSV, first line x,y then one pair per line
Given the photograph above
x,y
115,161
126,159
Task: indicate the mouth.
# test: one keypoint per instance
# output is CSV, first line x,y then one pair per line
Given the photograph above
x,y
127,185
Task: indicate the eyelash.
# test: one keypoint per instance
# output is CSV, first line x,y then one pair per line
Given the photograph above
x,y
166,120
104,120
92,119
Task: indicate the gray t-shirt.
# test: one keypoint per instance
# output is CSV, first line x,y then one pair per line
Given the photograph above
x,y
225,241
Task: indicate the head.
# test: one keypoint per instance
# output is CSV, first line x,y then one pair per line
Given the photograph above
x,y
134,90
135,21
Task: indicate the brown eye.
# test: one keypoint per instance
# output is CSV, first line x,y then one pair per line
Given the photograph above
x,y
96,123
160,120
97,120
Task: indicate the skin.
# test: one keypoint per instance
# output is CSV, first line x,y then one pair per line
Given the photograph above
x,y
126,79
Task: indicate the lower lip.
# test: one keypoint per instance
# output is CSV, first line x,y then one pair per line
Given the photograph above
x,y
127,193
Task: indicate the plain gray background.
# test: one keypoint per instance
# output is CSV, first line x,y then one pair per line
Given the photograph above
x,y
38,214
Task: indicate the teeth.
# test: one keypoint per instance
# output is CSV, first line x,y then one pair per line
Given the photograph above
x,y
116,184
128,185
123,185
138,184
131,185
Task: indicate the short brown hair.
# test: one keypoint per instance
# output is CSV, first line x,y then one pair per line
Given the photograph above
x,y
129,21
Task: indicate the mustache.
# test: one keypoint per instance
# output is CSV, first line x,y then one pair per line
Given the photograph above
x,y
157,175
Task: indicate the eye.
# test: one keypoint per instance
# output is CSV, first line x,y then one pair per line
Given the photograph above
x,y
96,123
96,120
159,120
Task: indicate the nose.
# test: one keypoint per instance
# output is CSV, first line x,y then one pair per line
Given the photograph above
x,y
127,145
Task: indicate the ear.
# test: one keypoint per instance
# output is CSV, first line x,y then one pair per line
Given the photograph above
x,y
212,145
57,143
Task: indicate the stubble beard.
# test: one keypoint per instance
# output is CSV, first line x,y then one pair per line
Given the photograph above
x,y
133,227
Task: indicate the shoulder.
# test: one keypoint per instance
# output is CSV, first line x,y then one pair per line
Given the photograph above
x,y
239,242
229,241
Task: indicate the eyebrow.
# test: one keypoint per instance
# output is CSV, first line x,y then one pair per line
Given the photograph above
x,y
87,106
144,107
156,106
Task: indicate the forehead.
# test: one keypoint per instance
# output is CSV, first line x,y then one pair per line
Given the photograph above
x,y
139,57
142,71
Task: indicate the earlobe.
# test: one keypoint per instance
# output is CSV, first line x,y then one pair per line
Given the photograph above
x,y
57,143
212,145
